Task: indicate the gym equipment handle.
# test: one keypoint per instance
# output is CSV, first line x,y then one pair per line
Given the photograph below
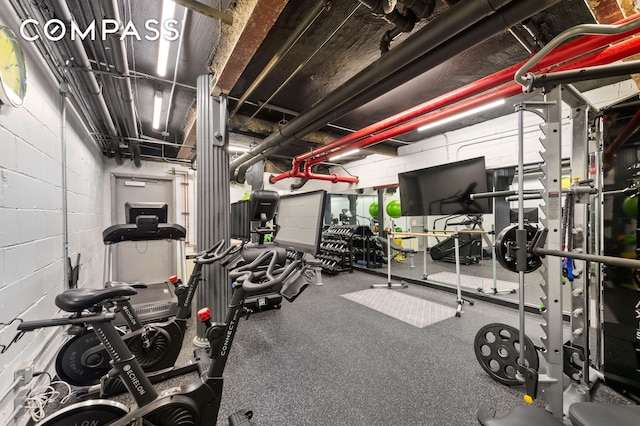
x,y
254,287
539,240
215,253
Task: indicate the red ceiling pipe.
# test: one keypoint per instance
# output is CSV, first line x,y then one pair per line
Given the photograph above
x,y
507,91
306,173
611,54
334,178
569,51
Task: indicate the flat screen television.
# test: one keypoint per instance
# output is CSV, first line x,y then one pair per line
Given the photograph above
x,y
240,220
134,209
530,215
300,221
444,189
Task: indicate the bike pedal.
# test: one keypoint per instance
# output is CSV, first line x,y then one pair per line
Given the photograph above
x,y
241,418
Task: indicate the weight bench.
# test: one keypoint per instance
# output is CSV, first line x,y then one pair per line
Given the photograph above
x,y
407,252
580,414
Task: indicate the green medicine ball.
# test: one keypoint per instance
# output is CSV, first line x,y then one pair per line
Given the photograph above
x,y
373,209
630,207
393,209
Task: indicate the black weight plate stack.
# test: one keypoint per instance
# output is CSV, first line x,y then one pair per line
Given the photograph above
x,y
505,239
497,348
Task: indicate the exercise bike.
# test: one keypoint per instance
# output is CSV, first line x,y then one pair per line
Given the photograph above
x,y
196,403
84,362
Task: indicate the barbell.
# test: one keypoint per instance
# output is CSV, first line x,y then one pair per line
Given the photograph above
x,y
509,255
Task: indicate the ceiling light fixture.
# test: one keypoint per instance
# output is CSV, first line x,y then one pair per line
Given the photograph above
x,y
462,115
168,10
157,108
346,154
236,148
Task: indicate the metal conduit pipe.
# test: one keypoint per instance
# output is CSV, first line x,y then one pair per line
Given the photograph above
x,y
380,8
122,67
438,32
611,54
571,50
503,19
422,8
521,76
93,87
300,29
306,61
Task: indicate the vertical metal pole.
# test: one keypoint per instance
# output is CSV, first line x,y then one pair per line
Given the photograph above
x,y
213,198
456,245
580,284
521,336
424,258
389,258
598,225
65,209
493,256
552,182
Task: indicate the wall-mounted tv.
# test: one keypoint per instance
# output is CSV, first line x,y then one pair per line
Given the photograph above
x,y
445,189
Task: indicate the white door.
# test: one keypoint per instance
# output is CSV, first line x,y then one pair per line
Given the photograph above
x,y
142,261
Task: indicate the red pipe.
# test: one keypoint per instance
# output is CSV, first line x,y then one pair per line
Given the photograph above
x,y
571,50
508,91
610,54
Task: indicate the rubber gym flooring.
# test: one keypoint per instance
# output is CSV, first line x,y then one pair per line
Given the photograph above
x,y
345,354
329,360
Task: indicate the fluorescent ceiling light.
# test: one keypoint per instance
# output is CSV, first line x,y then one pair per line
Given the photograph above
x,y
346,154
168,10
157,108
236,148
461,115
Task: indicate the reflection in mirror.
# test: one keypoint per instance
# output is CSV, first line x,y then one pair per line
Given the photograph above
x,y
434,259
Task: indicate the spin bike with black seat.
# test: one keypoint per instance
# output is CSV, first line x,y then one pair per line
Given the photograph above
x,y
195,403
84,362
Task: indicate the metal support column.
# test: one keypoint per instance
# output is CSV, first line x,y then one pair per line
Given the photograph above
x,y
213,197
577,352
552,386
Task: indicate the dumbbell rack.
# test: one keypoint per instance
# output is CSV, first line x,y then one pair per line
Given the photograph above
x,y
367,249
336,249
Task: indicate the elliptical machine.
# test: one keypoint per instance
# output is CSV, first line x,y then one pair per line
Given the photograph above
x,y
83,361
196,403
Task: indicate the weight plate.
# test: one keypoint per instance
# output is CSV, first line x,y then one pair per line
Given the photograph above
x,y
77,369
497,348
507,238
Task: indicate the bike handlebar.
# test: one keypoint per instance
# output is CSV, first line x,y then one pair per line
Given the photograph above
x,y
255,287
215,253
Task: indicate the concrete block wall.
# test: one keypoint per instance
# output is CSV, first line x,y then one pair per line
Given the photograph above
x,y
32,255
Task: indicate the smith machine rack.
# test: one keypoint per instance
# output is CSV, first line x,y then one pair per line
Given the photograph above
x,y
522,249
